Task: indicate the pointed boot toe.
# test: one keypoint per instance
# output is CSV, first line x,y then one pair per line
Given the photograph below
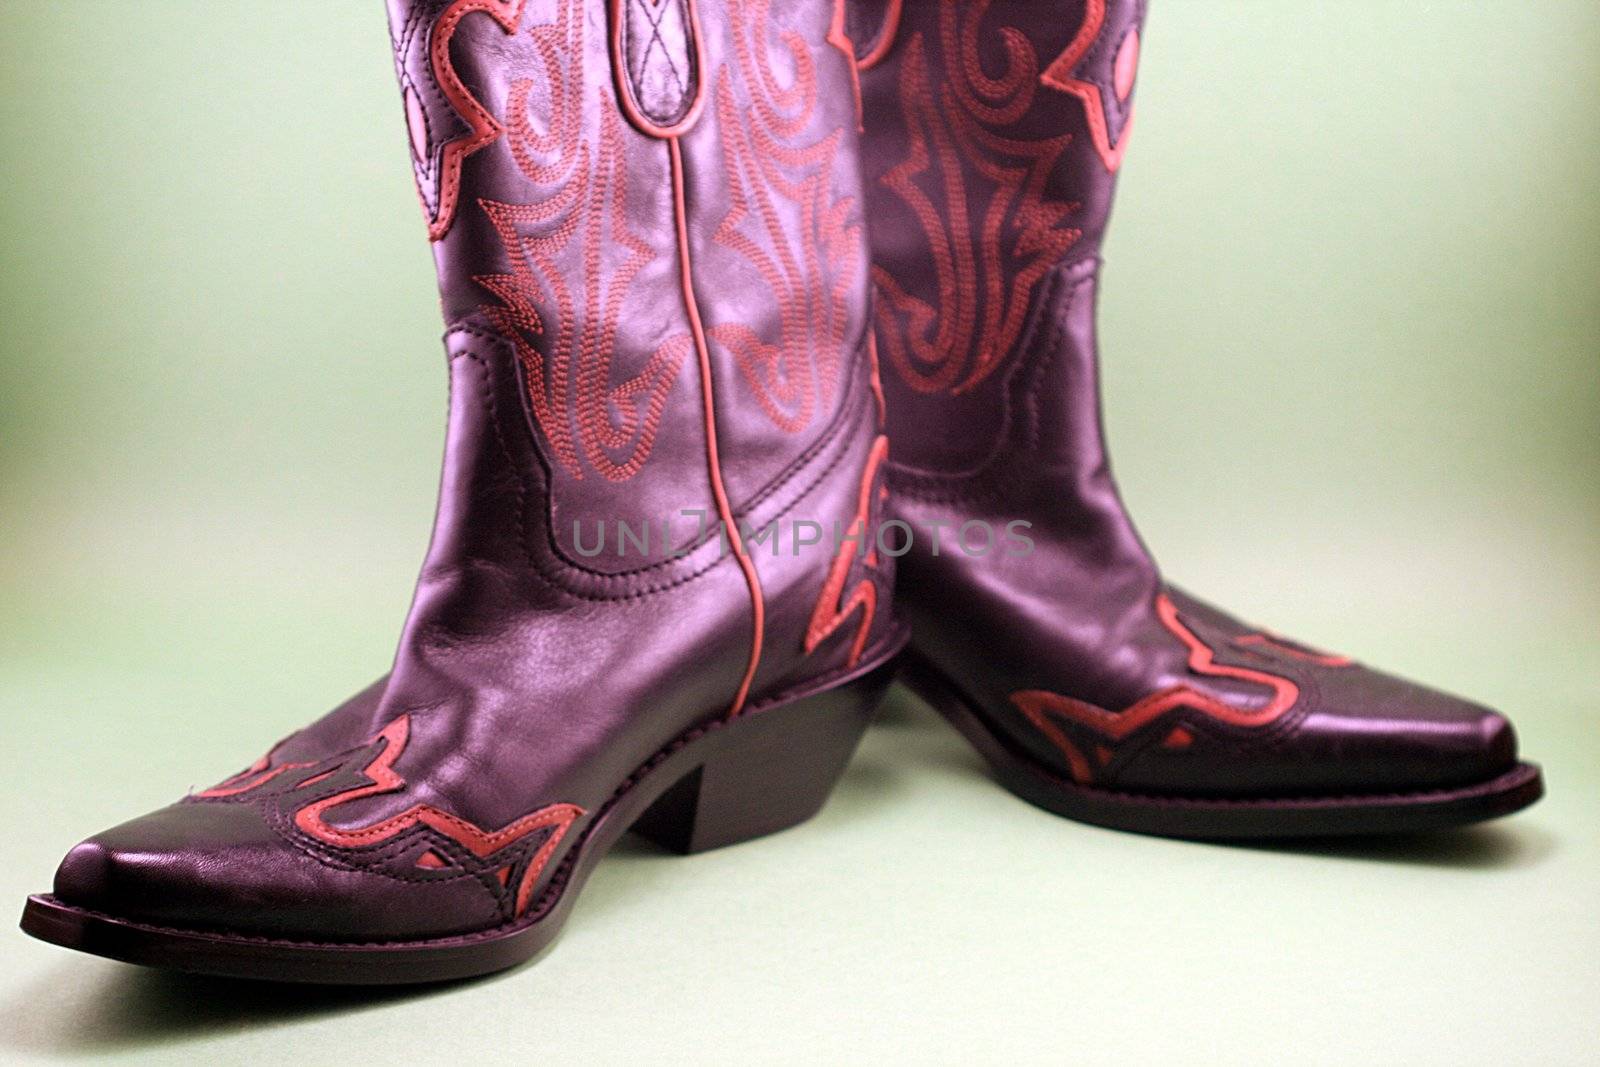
x,y
220,868
84,878
1420,740
1413,741
1043,627
652,263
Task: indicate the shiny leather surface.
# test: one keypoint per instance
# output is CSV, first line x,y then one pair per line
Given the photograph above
x,y
533,677
993,135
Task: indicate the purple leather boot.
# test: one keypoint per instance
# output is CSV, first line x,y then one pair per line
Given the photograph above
x,y
994,131
643,605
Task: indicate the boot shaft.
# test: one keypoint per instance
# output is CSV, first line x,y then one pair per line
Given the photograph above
x,y
611,186
994,133
648,226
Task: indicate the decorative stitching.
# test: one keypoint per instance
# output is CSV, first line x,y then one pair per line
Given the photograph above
x,y
656,45
1317,800
833,607
1295,649
380,778
992,476
984,291
570,384
1064,74
559,580
485,128
1042,707
811,277
628,77
556,884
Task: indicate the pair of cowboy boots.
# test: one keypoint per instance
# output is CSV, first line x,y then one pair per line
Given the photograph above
x,y
661,591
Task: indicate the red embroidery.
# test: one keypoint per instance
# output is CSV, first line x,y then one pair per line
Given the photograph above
x,y
589,422
1041,707
1062,74
979,197
810,272
834,607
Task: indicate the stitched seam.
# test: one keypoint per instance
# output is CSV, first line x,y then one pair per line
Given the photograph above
x,y
1032,767
369,862
413,25
995,473
553,579
524,542
686,96
557,880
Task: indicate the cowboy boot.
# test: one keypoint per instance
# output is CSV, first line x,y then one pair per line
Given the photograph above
x,y
648,229
1041,626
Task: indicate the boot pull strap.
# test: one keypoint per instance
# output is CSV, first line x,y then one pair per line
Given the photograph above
x,y
658,60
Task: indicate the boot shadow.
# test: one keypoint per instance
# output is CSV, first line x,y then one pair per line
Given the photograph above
x,y
1486,846
127,1009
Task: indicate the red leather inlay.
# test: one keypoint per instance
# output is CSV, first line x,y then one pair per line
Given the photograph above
x,y
485,128
1127,65
839,37
255,776
834,607
1061,75
416,124
885,39
1043,707
381,778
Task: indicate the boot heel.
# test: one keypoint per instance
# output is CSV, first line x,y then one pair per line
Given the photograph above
x,y
768,771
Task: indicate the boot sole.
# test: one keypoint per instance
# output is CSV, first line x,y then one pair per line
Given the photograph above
x,y
726,782
1225,818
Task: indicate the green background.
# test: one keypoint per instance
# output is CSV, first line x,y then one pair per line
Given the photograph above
x,y
1352,324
